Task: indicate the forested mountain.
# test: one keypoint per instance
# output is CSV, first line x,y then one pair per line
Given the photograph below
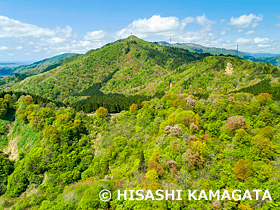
x,y
36,67
138,67
123,65
45,65
184,121
256,57
212,50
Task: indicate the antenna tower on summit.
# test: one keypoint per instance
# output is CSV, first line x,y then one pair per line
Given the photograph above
x,y
131,38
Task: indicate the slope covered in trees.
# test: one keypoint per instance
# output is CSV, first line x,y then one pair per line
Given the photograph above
x,y
135,63
256,57
65,158
34,67
21,72
184,121
141,68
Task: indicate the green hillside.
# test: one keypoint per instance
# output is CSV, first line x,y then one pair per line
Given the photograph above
x,y
256,57
21,72
274,60
36,67
140,116
125,64
41,65
141,68
56,158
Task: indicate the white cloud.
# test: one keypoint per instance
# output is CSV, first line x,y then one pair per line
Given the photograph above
x,y
10,28
4,48
264,45
19,48
259,40
250,32
31,39
54,40
95,35
65,32
161,28
243,41
256,40
201,20
224,31
155,25
246,21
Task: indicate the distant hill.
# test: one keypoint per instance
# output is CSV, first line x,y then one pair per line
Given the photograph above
x,y
123,67
7,69
274,60
142,68
12,64
21,72
41,65
262,55
256,57
202,49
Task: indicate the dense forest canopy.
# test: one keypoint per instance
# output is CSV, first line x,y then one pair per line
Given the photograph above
x,y
224,142
138,115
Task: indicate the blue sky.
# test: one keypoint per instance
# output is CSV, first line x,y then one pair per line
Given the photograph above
x,y
31,30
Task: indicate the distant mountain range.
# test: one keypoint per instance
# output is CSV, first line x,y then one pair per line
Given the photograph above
x,y
8,69
256,57
142,68
12,64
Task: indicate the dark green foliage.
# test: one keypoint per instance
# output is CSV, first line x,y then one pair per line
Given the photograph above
x,y
37,99
115,103
6,168
263,87
142,164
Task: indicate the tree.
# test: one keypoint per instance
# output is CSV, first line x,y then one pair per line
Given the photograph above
x,y
242,137
236,122
264,148
27,100
263,97
133,108
102,112
152,174
243,169
142,164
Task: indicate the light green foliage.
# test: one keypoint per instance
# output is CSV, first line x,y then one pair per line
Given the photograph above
x,y
139,67
195,137
71,153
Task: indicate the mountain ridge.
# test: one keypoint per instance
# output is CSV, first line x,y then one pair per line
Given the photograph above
x,y
256,57
38,65
137,67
